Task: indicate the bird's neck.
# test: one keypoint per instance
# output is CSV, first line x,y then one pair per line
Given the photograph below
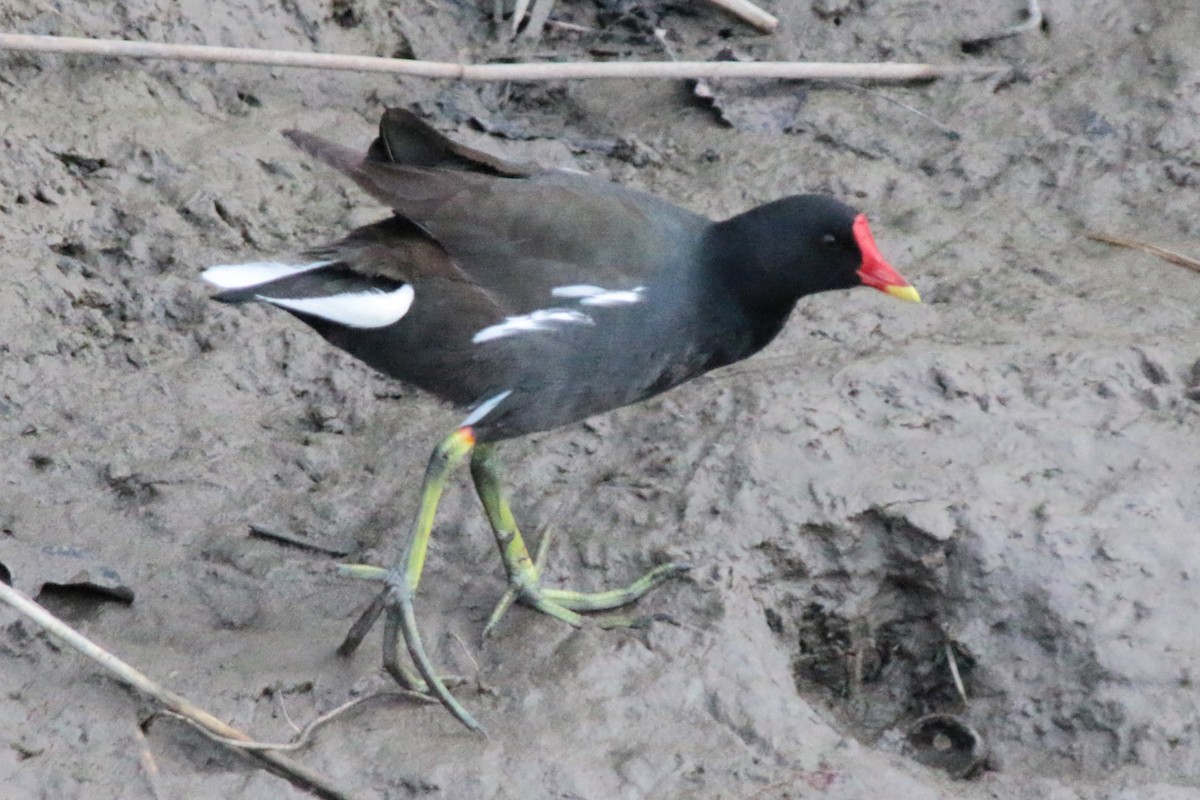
x,y
742,267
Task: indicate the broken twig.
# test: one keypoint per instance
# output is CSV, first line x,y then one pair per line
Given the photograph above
x,y
1177,259
750,14
280,537
825,71
958,681
1033,20
299,775
304,735
149,765
539,13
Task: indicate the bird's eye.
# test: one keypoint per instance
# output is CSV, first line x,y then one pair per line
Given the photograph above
x,y
829,238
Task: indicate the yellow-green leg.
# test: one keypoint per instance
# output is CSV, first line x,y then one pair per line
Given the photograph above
x,y
395,603
524,572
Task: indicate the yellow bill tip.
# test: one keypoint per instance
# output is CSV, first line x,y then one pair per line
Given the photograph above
x,y
908,293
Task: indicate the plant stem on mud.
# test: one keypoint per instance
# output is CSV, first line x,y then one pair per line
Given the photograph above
x,y
567,70
299,775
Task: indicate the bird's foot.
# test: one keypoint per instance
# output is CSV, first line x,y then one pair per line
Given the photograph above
x,y
565,604
394,604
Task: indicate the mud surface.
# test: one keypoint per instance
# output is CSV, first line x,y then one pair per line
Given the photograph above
x,y
1003,478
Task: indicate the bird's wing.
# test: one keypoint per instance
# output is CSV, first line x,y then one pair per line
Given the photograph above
x,y
517,234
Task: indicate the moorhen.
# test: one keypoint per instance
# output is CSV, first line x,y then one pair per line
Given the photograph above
x,y
535,298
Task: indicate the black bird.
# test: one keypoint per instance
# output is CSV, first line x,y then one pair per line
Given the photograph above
x,y
536,298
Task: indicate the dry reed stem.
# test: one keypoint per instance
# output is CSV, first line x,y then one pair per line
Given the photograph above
x,y
300,775
571,70
1178,259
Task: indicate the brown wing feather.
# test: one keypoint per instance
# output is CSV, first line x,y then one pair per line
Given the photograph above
x,y
519,237
405,138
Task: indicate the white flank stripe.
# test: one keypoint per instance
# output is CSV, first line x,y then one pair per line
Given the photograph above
x,y
240,276
484,408
369,309
541,320
614,298
576,290
589,295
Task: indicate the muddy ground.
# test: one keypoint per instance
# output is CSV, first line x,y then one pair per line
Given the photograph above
x,y
1003,477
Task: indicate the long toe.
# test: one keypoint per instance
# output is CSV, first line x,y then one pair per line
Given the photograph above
x,y
565,604
615,598
400,617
